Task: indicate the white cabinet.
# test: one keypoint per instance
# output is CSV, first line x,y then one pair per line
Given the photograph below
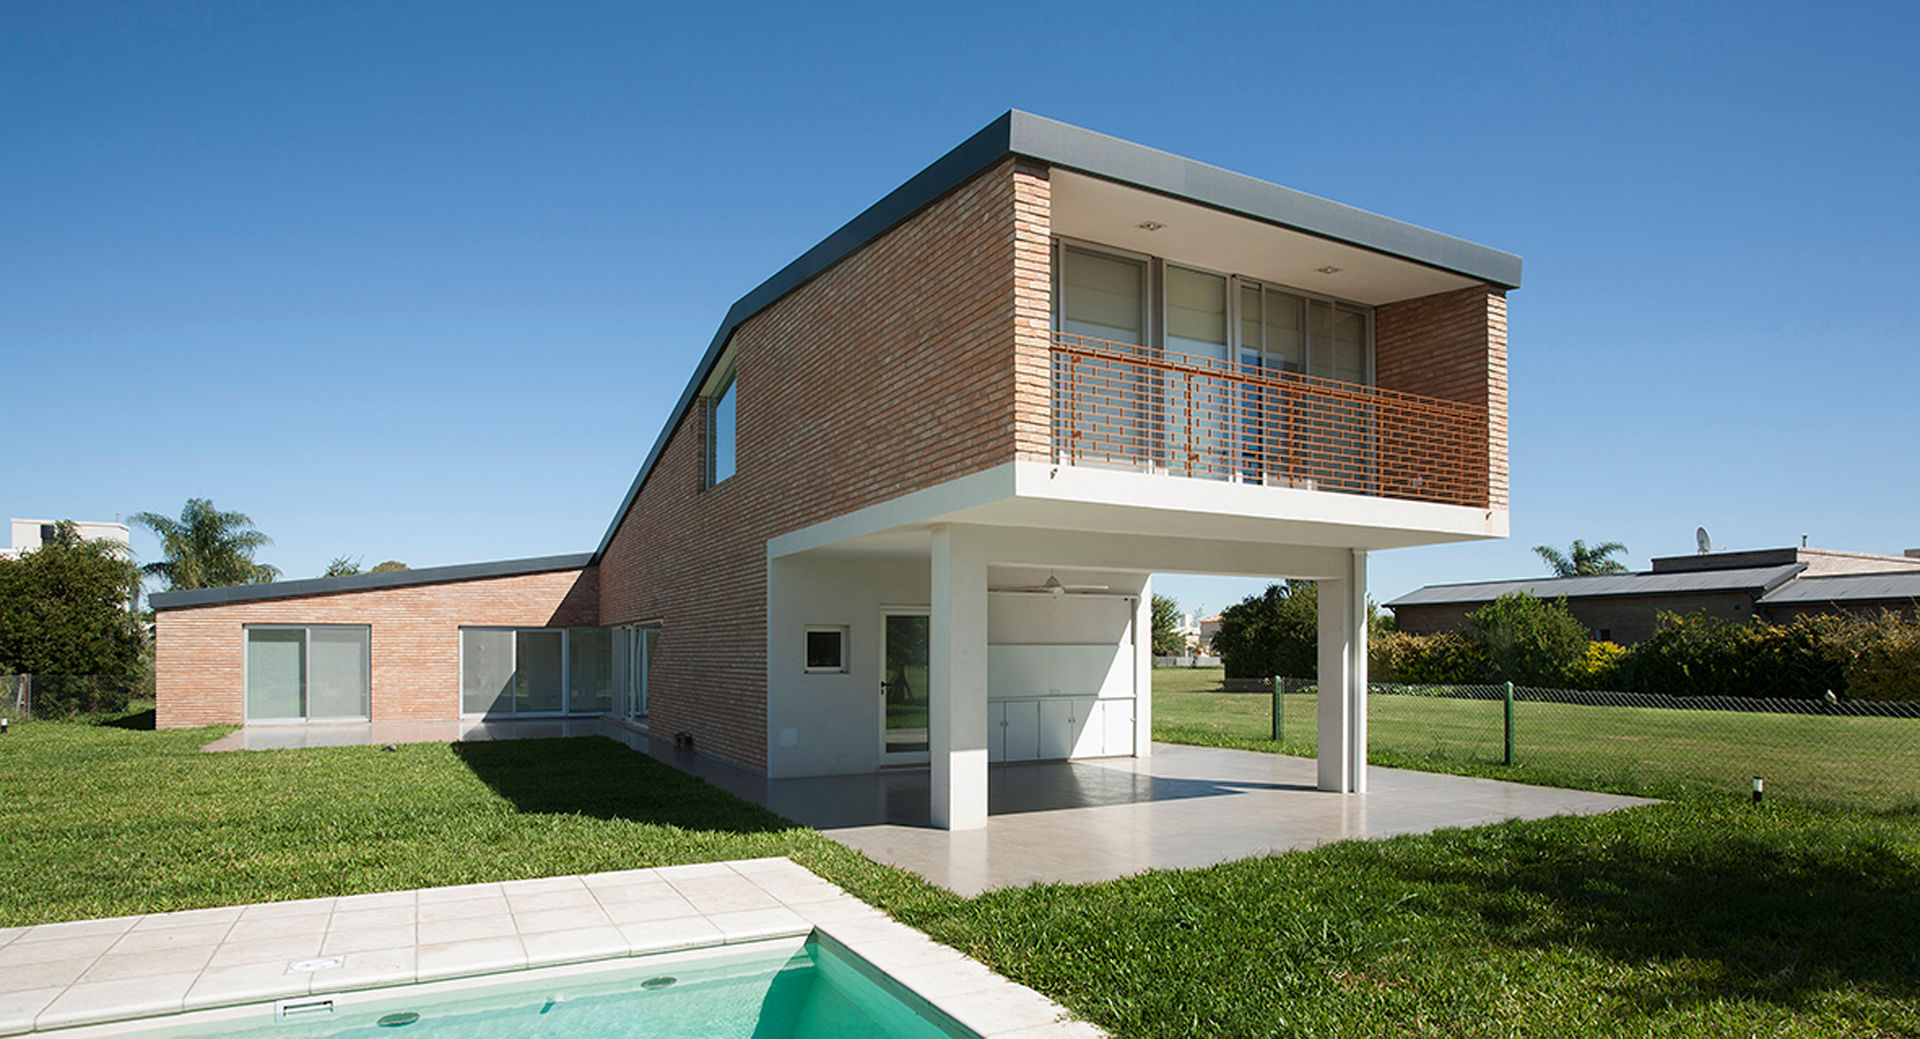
x,y
1054,727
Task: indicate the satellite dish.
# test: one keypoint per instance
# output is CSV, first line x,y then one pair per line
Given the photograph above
x,y
1701,539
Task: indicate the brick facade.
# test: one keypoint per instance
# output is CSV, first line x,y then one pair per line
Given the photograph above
x,y
1453,346
894,370
415,641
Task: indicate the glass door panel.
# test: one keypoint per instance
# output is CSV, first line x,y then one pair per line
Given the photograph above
x,y
337,684
1104,298
486,671
536,672
1197,438
589,671
903,688
276,674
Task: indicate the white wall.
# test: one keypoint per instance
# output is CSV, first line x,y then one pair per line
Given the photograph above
x,y
831,720
26,533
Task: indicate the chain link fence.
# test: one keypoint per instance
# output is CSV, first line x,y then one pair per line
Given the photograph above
x,y
25,697
1860,754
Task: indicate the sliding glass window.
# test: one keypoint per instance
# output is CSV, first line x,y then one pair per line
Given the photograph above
x,y
535,671
307,673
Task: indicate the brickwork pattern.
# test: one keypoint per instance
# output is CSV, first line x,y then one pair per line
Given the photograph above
x,y
1452,345
892,371
414,641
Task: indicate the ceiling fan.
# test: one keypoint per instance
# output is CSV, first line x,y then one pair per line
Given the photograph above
x,y
1054,588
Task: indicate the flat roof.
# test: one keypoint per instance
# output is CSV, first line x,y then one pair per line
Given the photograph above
x,y
366,582
1900,585
1602,585
1099,155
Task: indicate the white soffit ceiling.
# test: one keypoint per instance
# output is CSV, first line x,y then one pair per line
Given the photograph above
x,y
1107,213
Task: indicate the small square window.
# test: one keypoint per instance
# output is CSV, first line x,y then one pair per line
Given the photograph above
x,y
826,650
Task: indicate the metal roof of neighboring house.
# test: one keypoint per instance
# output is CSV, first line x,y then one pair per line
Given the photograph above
x,y
1064,145
1758,579
1896,586
366,582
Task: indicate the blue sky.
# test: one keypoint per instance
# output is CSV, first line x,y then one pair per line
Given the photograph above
x,y
420,281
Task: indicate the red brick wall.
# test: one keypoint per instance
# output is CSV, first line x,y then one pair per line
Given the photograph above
x,y
1452,345
892,371
414,641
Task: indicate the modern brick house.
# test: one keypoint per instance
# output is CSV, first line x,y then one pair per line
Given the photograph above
x,y
907,508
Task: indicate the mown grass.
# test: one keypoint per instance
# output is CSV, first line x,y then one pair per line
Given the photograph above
x,y
1869,763
1711,917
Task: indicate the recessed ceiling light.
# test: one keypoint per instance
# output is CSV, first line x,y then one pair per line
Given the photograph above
x,y
1328,270
1149,225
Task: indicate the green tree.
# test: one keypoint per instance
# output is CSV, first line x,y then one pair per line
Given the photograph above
x,y
206,548
1274,633
1582,561
64,609
387,567
1167,640
342,566
1530,641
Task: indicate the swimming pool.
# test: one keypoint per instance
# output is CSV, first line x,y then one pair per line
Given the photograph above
x,y
810,988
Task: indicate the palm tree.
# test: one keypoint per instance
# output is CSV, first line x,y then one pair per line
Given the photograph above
x,y
206,548
1581,561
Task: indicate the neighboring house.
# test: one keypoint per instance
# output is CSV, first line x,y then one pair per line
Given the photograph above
x,y
1772,584
30,534
1209,627
906,509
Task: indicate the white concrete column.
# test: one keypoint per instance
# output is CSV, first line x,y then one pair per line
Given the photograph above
x,y
1343,679
1143,671
957,679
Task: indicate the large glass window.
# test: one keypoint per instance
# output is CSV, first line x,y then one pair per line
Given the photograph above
x,y
1103,296
535,671
633,655
304,673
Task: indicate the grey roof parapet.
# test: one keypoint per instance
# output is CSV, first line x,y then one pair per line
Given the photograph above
x,y
1097,154
366,582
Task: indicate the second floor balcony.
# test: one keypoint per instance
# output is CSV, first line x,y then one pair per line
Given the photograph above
x,y
1121,405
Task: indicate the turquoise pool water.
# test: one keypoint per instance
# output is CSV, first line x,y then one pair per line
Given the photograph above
x,y
812,991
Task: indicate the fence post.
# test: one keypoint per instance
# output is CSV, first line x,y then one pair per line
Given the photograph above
x,y
1509,723
1278,709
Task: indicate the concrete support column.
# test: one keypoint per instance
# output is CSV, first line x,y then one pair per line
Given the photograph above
x,y
1143,671
957,679
1343,679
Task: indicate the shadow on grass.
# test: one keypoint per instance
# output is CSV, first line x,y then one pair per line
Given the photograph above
x,y
1786,912
601,779
140,721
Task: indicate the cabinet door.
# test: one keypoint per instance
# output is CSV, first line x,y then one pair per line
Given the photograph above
x,y
1089,728
1022,730
1117,719
1057,721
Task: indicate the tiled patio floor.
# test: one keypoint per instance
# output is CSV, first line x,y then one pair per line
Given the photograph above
x,y
1068,821
93,971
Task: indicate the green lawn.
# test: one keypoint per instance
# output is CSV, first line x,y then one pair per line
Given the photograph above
x,y
1846,762
1706,918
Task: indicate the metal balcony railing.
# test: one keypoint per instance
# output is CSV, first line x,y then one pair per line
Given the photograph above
x,y
1126,406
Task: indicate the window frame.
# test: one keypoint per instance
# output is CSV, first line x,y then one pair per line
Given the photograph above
x,y
806,649
306,677
567,709
727,385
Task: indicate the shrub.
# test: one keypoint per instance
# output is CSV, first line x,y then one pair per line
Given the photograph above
x,y
1887,663
1600,668
1691,655
1530,641
1446,658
